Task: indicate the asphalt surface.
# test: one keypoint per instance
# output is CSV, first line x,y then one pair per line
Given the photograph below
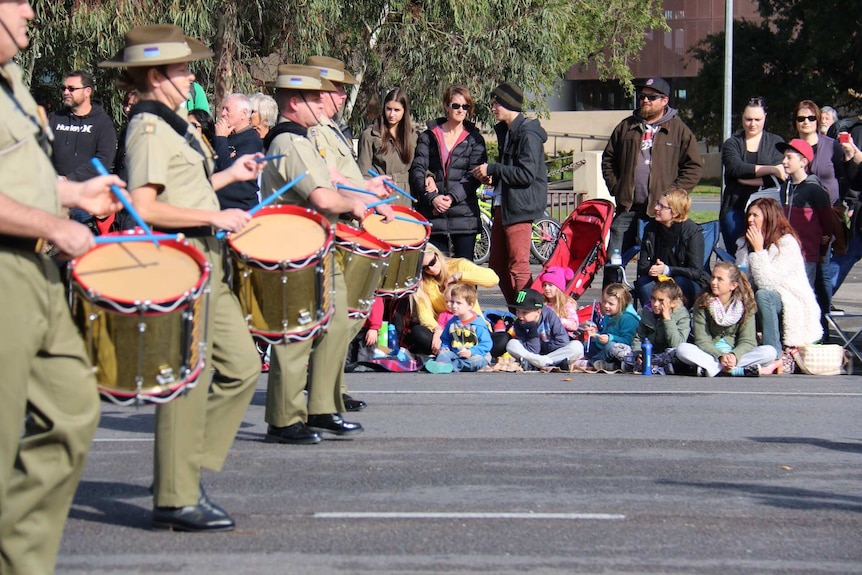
x,y
499,473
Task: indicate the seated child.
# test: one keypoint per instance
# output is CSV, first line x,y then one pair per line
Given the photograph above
x,y
723,329
618,326
540,338
554,291
665,322
465,344
364,344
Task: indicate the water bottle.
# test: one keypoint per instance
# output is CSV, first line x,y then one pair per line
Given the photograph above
x,y
647,354
392,338
383,334
616,258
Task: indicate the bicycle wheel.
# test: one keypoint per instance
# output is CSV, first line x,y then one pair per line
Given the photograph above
x,y
482,249
544,238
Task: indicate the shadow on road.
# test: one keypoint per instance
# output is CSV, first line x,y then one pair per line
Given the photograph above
x,y
103,502
846,447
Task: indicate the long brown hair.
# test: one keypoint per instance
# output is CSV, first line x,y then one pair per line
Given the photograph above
x,y
400,136
743,291
775,224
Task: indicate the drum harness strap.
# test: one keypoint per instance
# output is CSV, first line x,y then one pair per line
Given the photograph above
x,y
180,126
281,128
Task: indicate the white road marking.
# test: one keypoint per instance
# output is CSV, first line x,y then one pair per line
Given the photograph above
x,y
124,440
431,515
607,392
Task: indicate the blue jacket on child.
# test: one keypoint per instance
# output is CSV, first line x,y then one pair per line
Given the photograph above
x,y
621,327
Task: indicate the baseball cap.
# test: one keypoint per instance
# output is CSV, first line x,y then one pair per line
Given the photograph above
x,y
528,299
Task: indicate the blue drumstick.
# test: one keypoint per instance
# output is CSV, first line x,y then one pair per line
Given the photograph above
x,y
268,200
389,183
269,158
102,171
386,201
135,238
412,221
352,189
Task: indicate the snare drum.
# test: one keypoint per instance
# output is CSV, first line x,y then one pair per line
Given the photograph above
x,y
364,260
282,273
407,241
142,311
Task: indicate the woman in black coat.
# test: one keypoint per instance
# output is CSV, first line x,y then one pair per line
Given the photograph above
x,y
750,160
440,177
672,246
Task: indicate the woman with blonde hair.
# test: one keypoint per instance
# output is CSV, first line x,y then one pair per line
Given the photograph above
x,y
672,246
429,300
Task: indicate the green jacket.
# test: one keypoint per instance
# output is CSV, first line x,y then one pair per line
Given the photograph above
x,y
740,336
663,333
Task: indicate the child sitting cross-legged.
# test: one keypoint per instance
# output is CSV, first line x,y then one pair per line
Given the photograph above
x,y
619,324
540,338
723,328
465,344
665,322
554,291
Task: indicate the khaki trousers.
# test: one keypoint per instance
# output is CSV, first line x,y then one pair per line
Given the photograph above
x,y
318,364
49,410
197,430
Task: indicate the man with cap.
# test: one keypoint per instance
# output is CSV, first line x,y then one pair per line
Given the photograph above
x,y
520,181
647,153
809,211
173,187
49,404
318,364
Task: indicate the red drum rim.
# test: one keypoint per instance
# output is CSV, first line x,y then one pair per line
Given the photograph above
x,y
296,262
161,305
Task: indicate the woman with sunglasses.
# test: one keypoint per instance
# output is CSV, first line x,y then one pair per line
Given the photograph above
x,y
429,300
750,161
672,246
387,145
828,164
440,176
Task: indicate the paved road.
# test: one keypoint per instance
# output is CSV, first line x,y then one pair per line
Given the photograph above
x,y
567,473
512,473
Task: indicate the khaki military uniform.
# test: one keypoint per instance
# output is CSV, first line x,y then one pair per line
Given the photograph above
x,y
49,403
324,356
196,430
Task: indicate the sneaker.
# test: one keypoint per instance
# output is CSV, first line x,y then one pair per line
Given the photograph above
x,y
537,363
264,367
751,370
702,372
600,365
434,366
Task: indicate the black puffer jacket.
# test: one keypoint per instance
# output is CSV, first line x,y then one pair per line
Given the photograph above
x,y
453,178
684,255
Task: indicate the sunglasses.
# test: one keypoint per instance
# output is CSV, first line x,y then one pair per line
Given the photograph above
x,y
801,119
455,106
71,88
650,97
432,262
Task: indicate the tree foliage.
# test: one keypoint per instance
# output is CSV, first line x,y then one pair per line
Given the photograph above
x,y
802,50
421,46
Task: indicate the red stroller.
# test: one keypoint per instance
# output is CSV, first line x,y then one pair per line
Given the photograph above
x,y
582,245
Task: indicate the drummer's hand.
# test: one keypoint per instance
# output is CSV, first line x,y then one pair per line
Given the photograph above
x,y
357,208
94,196
232,220
71,238
245,167
377,185
371,337
386,211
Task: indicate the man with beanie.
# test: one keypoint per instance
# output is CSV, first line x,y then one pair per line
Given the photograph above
x,y
649,152
520,181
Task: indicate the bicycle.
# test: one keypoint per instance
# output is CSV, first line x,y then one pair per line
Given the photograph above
x,y
542,241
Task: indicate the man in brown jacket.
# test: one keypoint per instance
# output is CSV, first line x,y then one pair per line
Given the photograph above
x,y
648,152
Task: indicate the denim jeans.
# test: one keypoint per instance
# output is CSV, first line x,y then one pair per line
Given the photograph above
x,y
841,265
645,285
769,310
820,280
462,245
624,230
472,363
733,227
